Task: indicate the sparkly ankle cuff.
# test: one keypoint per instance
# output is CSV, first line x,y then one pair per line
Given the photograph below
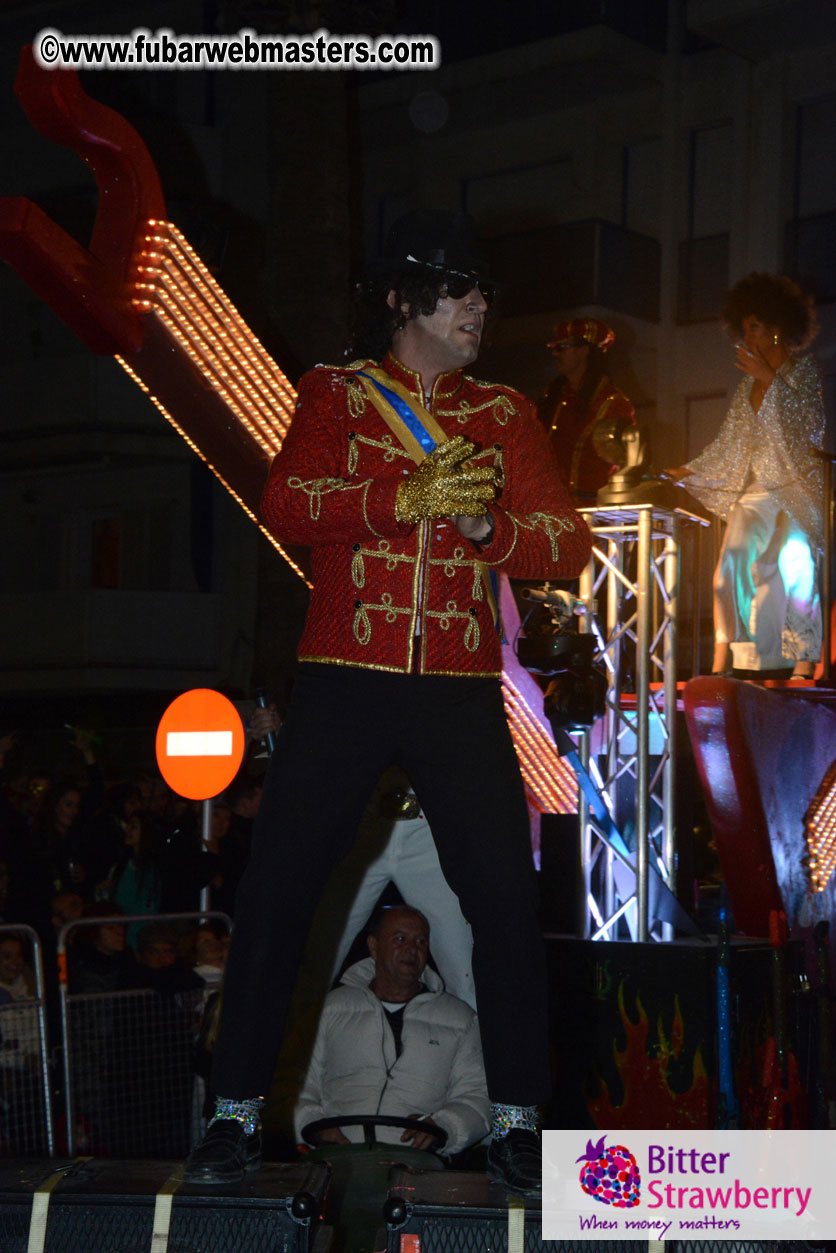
x,y
505,1118
248,1112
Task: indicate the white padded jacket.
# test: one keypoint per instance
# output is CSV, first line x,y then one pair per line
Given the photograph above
x,y
354,1070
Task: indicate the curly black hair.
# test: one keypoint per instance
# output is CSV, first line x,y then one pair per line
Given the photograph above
x,y
776,301
375,322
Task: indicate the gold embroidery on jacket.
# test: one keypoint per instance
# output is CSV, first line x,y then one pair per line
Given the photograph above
x,y
355,398
451,563
503,410
384,550
390,449
316,489
446,616
458,561
546,522
488,386
362,622
424,533
464,412
502,407
366,518
362,626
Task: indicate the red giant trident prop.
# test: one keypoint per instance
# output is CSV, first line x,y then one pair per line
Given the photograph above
x,y
142,295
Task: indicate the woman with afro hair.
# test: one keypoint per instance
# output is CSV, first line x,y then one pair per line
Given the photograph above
x,y
761,474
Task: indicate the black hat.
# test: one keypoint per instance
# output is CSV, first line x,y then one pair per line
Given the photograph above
x,y
433,239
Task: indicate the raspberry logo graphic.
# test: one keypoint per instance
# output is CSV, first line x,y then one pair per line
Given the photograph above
x,y
610,1175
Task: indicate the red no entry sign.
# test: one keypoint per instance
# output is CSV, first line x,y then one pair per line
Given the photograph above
x,y
200,744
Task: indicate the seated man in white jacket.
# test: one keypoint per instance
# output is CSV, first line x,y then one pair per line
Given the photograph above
x,y
392,1041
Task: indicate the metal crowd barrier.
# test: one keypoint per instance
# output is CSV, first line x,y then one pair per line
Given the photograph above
x,y
26,1127
130,1086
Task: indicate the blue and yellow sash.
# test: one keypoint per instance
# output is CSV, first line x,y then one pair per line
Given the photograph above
x,y
417,431
413,426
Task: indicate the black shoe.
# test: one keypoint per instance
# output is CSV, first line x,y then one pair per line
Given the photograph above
x,y
516,1161
224,1154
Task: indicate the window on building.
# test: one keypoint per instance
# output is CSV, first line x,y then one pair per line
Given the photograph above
x,y
704,253
810,245
520,199
642,186
126,551
816,157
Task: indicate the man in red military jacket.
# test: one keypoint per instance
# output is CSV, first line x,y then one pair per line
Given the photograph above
x,y
577,399
412,483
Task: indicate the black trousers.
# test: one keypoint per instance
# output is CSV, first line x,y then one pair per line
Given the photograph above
x,y
450,735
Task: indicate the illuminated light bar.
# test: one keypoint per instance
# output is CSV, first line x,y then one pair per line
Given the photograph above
x,y
263,365
243,405
225,366
219,360
820,834
217,298
229,400
550,781
219,369
249,512
176,270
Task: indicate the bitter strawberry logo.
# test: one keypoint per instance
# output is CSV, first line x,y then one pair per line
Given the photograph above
x,y
610,1175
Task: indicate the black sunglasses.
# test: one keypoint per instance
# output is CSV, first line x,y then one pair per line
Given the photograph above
x,y
457,285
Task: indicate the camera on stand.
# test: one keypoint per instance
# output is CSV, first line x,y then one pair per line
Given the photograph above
x,y
553,647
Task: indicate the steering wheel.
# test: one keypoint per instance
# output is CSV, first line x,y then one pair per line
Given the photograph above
x,y
368,1122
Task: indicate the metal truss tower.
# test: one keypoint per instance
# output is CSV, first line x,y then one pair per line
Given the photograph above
x,y
630,591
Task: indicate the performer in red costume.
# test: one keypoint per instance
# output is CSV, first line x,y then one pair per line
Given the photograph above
x,y
412,483
576,400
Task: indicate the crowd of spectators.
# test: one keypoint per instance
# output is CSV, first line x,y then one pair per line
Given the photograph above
x,y
75,835
78,853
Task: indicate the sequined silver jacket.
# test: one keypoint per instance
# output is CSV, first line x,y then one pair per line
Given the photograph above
x,y
771,448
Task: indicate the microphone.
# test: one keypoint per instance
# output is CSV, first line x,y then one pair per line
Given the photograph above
x,y
541,595
261,701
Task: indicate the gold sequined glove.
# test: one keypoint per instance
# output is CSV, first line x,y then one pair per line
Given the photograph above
x,y
440,487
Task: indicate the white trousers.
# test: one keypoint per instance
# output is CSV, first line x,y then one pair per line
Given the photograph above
x,y
402,852
766,598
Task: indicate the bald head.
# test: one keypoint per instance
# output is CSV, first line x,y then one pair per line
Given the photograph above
x,y
400,946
